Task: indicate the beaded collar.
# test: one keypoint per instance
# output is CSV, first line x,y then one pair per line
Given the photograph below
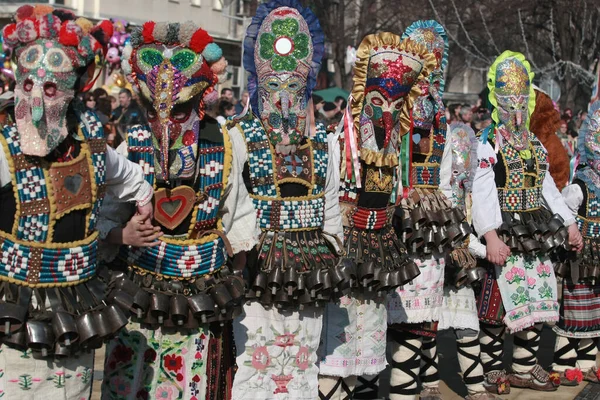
x,y
288,213
198,253
28,254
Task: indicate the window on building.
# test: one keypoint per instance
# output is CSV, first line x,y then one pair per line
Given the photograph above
x,y
217,4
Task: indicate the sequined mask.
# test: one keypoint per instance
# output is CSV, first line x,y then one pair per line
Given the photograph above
x,y
170,77
591,129
390,77
462,141
282,57
45,87
512,96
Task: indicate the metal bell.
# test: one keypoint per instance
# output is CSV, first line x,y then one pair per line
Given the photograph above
x,y
221,296
17,339
202,306
12,317
141,301
61,351
366,272
40,336
86,328
260,284
235,285
179,309
290,280
275,280
159,306
103,324
116,317
65,329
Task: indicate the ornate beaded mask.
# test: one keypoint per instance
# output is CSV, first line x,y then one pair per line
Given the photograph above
x,y
286,45
463,145
511,93
429,104
172,66
50,48
384,85
590,132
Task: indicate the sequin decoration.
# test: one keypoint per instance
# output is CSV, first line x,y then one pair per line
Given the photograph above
x,y
512,78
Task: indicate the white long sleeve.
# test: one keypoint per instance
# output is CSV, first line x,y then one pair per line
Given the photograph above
x,y
125,180
573,197
486,207
333,214
237,211
555,200
4,169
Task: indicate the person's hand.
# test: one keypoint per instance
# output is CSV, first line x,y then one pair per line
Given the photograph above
x,y
496,250
140,232
575,239
146,212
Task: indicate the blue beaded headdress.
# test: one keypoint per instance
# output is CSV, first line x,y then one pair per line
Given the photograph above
x,y
288,60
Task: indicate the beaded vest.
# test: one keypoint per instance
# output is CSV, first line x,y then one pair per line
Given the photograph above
x,y
307,166
202,250
44,193
373,212
427,174
588,217
523,189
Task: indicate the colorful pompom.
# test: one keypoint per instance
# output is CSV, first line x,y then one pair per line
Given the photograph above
x,y
9,33
27,30
24,12
49,26
147,32
68,35
200,39
85,24
219,67
42,9
212,53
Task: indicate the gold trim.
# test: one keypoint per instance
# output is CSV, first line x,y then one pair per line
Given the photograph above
x,y
363,54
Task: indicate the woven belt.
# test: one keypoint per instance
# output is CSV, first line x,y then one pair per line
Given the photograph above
x,y
36,266
365,218
279,215
588,227
183,261
519,199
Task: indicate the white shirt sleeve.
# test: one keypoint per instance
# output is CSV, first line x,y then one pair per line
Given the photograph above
x,y
125,180
333,214
446,172
476,248
486,207
237,211
555,200
4,169
573,197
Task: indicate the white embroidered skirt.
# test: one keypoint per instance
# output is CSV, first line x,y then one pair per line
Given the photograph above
x,y
421,300
23,377
353,339
277,353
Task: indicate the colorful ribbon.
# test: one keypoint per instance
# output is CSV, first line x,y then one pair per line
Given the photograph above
x,y
352,156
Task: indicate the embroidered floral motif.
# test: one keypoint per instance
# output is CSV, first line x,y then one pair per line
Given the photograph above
x,y
379,180
158,366
515,275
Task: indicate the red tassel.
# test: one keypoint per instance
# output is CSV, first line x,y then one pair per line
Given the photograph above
x,y
200,39
147,31
66,37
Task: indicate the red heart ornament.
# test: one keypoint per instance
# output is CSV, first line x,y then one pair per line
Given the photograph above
x,y
172,207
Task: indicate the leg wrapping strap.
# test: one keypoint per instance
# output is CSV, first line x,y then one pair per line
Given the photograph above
x,y
429,361
469,351
367,388
491,339
407,367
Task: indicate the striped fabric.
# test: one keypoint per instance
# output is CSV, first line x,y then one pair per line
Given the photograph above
x,y
580,310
